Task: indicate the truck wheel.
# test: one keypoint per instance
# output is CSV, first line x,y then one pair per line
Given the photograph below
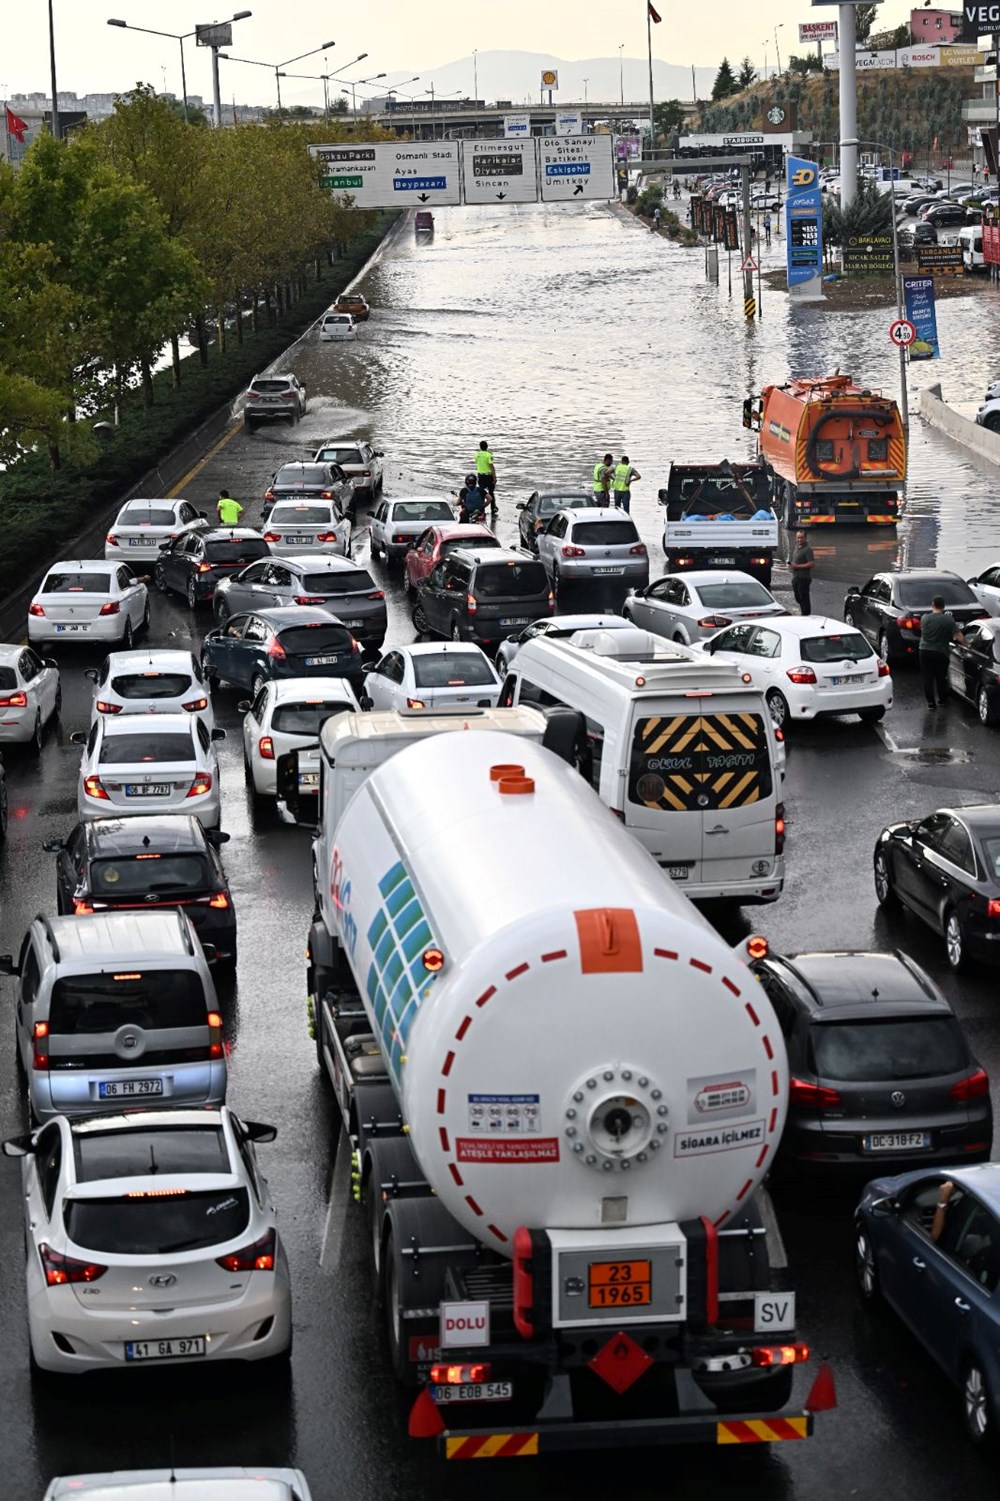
x,y
392,1303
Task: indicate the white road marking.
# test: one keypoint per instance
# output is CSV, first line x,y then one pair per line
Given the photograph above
x,y
340,1194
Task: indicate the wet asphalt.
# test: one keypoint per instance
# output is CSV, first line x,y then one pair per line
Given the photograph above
x,y
897,1429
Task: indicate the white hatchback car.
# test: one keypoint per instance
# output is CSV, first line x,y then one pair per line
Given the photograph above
x,y
30,695
141,526
286,715
228,1483
152,1239
433,675
317,525
689,607
337,326
396,524
157,681
808,666
88,600
149,763
986,587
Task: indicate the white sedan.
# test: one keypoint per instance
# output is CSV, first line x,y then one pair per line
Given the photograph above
x,y
157,681
151,1238
149,763
555,626
688,607
88,600
141,525
986,587
808,666
226,1483
30,695
286,715
433,675
319,525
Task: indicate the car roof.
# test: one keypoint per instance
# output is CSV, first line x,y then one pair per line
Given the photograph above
x,y
10,652
982,818
597,513
281,616
273,375
439,648
107,936
166,833
699,576
920,573
592,621
207,1483
856,984
170,501
469,529
405,500
565,494
807,625
66,563
326,563
493,555
213,533
156,656
133,724
338,690
338,443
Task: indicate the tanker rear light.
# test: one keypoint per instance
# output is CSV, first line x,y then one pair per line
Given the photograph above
x,y
433,960
770,1356
460,1375
758,947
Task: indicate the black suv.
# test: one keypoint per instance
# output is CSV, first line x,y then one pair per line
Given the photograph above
x,y
482,596
881,1076
193,563
889,608
145,863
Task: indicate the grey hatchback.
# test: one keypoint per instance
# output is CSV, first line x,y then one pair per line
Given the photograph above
x,y
335,584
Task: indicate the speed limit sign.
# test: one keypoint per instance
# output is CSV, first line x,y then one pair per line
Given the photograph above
x,y
902,333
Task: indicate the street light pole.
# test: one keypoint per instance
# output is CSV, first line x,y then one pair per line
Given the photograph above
x,y
621,72
56,128
180,37
475,72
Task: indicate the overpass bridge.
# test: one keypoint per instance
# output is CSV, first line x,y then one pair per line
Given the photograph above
x,y
429,119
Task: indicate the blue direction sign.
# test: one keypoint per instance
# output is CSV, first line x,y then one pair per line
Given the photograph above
x,y
392,174
573,168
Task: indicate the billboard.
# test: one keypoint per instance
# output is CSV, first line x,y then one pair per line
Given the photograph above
x,y
918,295
817,31
803,223
979,17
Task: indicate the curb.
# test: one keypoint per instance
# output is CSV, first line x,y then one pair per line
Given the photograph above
x,y
936,412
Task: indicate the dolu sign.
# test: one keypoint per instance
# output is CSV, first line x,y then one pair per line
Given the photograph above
x,y
464,1324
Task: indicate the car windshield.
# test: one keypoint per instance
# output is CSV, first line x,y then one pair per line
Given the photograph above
x,y
734,596
850,646
145,516
158,1223
146,746
343,456
151,684
295,515
238,550
305,719
290,475
548,505
604,533
271,385
77,583
309,640
137,875
918,593
511,580
906,1047
83,1005
344,581
452,670
422,510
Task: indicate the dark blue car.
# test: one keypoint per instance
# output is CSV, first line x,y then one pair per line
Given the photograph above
x,y
297,642
939,1268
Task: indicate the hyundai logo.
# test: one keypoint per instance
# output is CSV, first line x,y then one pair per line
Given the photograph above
x,y
898,1098
163,1279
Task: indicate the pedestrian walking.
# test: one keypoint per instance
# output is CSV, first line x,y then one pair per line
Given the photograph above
x,y
623,476
229,510
604,471
938,630
803,561
486,473
767,229
656,219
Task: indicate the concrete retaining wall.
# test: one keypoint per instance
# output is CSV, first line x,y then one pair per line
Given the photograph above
x,y
937,413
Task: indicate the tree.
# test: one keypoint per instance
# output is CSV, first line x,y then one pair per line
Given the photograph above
x,y
668,116
869,214
808,64
864,18
747,76
195,114
725,81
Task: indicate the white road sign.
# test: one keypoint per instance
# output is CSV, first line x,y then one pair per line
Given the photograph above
x,y
575,168
517,125
500,171
390,174
569,123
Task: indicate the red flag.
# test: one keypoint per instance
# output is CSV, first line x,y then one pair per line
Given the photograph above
x,y
654,14
15,126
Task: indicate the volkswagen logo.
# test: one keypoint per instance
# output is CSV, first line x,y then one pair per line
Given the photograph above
x,y
898,1098
163,1279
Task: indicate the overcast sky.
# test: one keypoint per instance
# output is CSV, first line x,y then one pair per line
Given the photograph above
x,y
398,35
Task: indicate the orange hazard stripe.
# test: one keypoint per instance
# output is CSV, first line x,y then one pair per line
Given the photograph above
x,y
492,1446
762,1431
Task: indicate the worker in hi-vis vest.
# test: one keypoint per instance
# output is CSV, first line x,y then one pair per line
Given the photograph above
x,y
485,471
603,471
229,509
622,484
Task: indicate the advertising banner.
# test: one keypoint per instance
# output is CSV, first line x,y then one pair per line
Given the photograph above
x,y
943,260
732,240
803,223
979,17
918,294
869,255
718,223
818,31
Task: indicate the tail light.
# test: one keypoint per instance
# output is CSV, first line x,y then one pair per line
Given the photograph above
x,y
309,599
471,604
201,784
974,1087
61,1269
460,1375
40,1046
276,650
812,1096
288,395
714,622
775,1355
908,622
779,735
111,539
103,707
272,536
415,703
195,705
779,828
993,907
378,594
111,608
94,787
327,495
801,674
366,474
82,909
883,668
326,537
638,550
35,610
683,562
14,701
569,551
268,497
252,396
215,1048
204,568
762,561
220,902
265,747
258,1257
401,537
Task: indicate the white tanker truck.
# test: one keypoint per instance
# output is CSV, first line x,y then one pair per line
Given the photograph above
x,y
562,1090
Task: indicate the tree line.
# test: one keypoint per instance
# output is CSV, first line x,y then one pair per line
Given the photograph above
x,y
135,231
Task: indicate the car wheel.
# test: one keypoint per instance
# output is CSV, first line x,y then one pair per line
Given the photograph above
x,y
555,581
57,706
871,716
127,635
456,630
191,595
865,1269
992,422
884,890
222,612
678,636
977,1407
159,579
258,682
35,743
883,646
210,675
954,943
985,708
3,815
778,706
420,620
849,618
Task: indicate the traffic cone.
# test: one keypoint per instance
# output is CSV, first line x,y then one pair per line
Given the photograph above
x,y
823,1392
425,1419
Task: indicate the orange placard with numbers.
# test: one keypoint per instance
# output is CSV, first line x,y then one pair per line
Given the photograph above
x,y
619,1284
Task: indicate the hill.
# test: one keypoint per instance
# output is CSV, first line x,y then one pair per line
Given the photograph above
x,y
516,76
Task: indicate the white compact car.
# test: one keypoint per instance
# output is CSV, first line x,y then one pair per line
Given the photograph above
x,y
142,525
286,715
554,626
228,1483
986,587
151,1238
295,526
157,681
808,666
359,460
433,675
30,695
88,600
689,607
149,763
337,326
396,524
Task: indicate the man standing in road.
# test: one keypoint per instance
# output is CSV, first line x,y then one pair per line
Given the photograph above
x,y
229,509
803,561
486,474
767,228
938,630
623,477
603,474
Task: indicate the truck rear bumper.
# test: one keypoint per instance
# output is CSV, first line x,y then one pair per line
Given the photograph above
x,y
551,1438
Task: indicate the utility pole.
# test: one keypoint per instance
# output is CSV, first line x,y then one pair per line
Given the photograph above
x,y
749,302
649,50
56,127
848,107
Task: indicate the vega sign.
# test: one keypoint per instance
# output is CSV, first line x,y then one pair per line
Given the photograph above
x,y
979,17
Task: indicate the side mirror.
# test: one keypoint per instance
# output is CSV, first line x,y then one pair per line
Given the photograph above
x,y
211,952
91,674
18,1146
884,1207
366,701
217,837
520,506
203,515
258,1132
379,454
243,707
78,737
52,846
370,665
7,965
218,734
49,662
973,580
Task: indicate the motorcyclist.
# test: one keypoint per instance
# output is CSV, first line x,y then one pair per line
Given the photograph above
x,y
472,500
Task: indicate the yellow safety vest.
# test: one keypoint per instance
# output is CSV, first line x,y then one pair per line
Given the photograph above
x,y
622,475
599,476
484,462
230,511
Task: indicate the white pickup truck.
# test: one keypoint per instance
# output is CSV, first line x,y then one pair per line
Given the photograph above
x,y
719,516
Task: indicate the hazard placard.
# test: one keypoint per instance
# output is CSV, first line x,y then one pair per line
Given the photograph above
x,y
749,264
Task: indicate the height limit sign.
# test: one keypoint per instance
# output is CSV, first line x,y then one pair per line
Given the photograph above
x,y
500,171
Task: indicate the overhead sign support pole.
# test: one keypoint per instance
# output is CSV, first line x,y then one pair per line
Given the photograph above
x,y
848,107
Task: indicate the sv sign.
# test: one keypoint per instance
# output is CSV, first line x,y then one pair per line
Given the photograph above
x,y
464,1324
773,1313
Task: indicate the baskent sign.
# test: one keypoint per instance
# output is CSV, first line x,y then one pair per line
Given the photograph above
x,y
803,222
575,168
817,31
391,174
979,18
869,255
500,171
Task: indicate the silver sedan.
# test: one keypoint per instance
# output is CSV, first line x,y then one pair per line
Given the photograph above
x,y
690,607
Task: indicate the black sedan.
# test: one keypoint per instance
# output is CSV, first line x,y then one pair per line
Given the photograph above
x,y
540,507
974,669
111,864
193,563
949,214
297,642
308,481
889,608
945,869
919,234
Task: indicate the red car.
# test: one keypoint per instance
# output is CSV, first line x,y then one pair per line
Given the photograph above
x,y
433,544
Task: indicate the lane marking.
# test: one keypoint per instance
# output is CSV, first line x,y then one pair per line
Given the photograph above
x,y
197,467
336,1214
886,739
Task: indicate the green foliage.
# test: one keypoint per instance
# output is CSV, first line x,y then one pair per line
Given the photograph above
x,y
869,214
668,116
864,19
648,199
725,81
747,76
808,64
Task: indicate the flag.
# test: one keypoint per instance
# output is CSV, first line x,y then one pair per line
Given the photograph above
x,y
15,126
654,14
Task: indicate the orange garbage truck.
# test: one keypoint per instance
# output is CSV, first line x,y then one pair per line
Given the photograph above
x,y
836,451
